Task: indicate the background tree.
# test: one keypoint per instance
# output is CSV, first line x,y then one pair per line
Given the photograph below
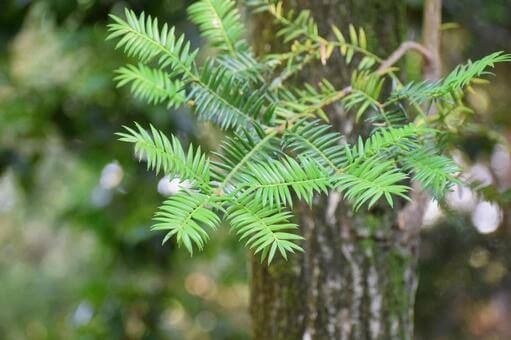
x,y
357,277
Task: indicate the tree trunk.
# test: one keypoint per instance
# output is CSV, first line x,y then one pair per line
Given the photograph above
x,y
356,278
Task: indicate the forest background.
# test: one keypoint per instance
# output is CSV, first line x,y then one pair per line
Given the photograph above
x,y
77,259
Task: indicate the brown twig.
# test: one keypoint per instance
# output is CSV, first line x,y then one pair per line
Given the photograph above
x,y
410,218
402,50
332,99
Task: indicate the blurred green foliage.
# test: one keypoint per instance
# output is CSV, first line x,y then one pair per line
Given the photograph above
x,y
77,259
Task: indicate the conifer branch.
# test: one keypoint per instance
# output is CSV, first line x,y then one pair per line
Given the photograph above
x,y
279,148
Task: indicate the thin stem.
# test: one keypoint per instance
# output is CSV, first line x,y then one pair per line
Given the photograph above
x,y
278,81
245,159
398,54
274,131
230,46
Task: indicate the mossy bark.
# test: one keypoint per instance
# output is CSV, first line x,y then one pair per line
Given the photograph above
x,y
356,278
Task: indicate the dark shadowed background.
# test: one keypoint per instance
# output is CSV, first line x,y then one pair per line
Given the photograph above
x,y
77,259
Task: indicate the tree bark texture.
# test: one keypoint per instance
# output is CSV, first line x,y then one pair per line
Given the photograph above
x,y
356,278
432,21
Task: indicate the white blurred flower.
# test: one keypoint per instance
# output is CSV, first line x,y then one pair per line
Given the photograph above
x,y
461,198
111,175
100,197
501,165
168,187
486,217
481,173
83,314
432,213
